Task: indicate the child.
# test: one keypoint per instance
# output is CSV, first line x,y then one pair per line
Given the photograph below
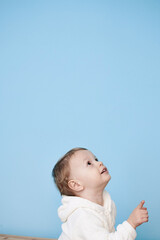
x,y
87,211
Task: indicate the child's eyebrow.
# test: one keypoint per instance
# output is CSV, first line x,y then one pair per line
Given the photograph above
x,y
96,158
85,159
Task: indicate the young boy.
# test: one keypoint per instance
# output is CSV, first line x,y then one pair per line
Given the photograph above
x,y
87,211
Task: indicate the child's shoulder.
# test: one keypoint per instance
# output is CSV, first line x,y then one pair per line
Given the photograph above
x,y
109,203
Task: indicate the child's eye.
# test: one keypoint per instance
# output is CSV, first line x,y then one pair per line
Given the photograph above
x,y
89,163
96,159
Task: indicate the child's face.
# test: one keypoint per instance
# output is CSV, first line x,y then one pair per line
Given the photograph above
x,y
86,168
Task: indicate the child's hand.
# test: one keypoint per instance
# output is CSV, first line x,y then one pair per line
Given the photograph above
x,y
139,215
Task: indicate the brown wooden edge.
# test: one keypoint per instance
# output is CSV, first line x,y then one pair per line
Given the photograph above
x,y
6,236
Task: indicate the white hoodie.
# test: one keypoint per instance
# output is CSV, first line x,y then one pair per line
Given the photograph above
x,y
86,220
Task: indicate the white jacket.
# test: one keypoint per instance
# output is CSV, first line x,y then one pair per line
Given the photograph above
x,y
86,220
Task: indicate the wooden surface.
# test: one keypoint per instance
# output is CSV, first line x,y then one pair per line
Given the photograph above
x,y
13,237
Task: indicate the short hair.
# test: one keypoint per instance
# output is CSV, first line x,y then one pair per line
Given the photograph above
x,y
61,172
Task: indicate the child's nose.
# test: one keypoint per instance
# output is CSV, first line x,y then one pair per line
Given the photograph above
x,y
100,163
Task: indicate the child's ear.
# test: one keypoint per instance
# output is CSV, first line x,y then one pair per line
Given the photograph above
x,y
75,185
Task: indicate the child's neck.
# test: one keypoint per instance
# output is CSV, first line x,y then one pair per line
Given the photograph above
x,y
93,196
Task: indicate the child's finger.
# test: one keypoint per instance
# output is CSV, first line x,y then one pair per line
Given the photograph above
x,y
144,208
145,219
141,204
144,215
144,211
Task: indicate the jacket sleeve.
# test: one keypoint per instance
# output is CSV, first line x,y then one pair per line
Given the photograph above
x,y
87,226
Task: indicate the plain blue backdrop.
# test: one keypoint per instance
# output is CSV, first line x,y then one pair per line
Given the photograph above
x,y
78,73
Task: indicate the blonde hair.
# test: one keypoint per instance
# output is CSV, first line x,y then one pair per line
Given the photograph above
x,y
61,172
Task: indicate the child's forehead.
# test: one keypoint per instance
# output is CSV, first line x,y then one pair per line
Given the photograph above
x,y
83,155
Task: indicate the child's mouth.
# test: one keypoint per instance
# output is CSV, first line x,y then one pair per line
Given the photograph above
x,y
104,170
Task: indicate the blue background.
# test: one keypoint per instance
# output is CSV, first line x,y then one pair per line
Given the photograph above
x,y
78,73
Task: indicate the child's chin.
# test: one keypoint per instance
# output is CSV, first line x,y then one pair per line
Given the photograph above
x,y
109,178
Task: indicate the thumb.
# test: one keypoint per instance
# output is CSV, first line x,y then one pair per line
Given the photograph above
x,y
141,204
